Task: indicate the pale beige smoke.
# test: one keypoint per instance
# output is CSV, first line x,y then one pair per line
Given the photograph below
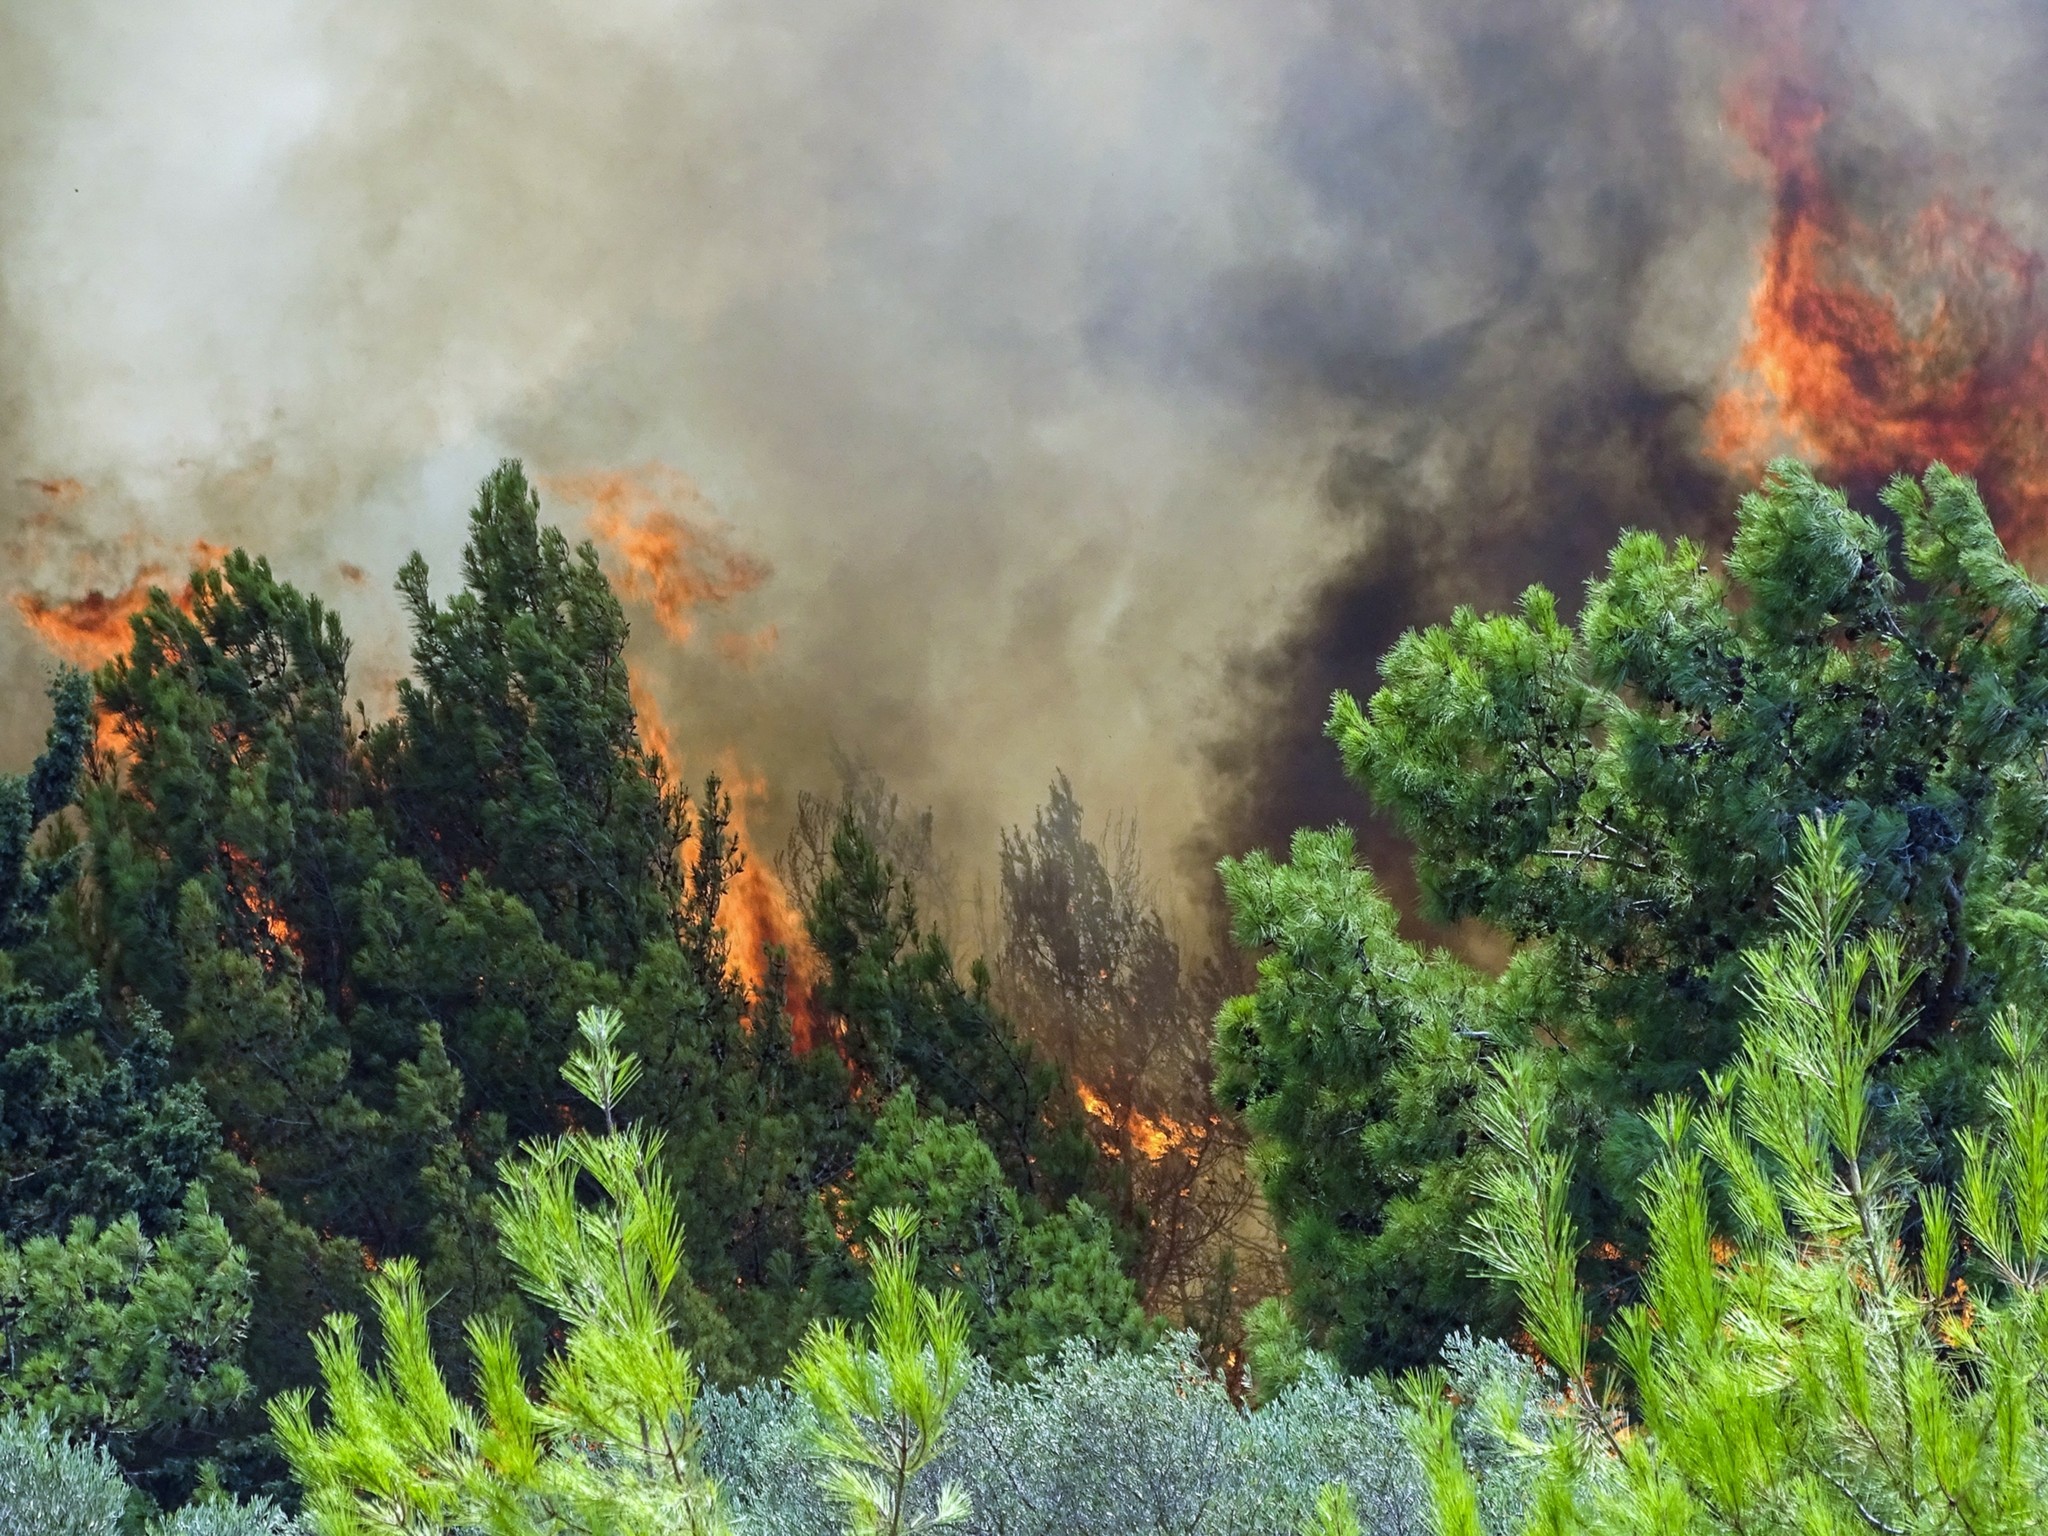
x,y
1036,345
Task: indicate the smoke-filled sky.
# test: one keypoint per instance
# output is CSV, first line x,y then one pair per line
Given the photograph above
x,y
1102,383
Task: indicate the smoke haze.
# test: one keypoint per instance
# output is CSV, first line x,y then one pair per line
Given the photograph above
x,y
1101,385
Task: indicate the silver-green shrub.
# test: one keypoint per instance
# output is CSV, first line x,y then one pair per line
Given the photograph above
x,y
1138,1445
51,1485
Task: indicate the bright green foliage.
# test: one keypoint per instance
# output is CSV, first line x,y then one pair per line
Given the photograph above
x,y
515,755
1333,1515
910,1021
89,1123
1276,1350
1619,801
607,1445
132,1339
1352,1063
1790,1368
881,1392
1030,1280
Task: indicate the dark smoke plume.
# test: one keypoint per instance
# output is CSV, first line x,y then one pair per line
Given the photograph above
x,y
1102,384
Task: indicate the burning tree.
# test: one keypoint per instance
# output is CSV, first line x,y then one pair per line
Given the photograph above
x,y
1088,965
367,939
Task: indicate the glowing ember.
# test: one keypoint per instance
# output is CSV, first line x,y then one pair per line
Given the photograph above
x,y
1878,345
673,562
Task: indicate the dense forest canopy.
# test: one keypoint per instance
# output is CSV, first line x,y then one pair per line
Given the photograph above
x,y
395,1138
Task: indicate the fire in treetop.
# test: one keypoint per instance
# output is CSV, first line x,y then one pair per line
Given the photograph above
x,y
662,556
91,628
1879,343
678,565
758,911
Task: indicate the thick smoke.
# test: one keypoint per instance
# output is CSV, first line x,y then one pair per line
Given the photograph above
x,y
1103,384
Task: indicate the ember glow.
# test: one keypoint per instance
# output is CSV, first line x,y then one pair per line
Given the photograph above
x,y
1878,343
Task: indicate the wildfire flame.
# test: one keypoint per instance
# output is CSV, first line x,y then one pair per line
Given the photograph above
x,y
674,561
246,889
758,911
1152,1139
1878,344
91,629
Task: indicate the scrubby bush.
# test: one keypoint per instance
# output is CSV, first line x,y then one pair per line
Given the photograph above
x,y
1142,1444
54,1486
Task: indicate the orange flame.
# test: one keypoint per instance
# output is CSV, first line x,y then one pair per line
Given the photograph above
x,y
1876,346
674,562
246,880
758,911
92,629
1150,1138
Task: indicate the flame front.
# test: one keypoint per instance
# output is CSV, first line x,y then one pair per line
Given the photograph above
x,y
93,628
759,914
1879,344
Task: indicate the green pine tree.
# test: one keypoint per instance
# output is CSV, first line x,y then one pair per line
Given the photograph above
x,y
515,754
1618,801
90,1124
129,1339
608,1444
881,1393
1799,1360
1030,1278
